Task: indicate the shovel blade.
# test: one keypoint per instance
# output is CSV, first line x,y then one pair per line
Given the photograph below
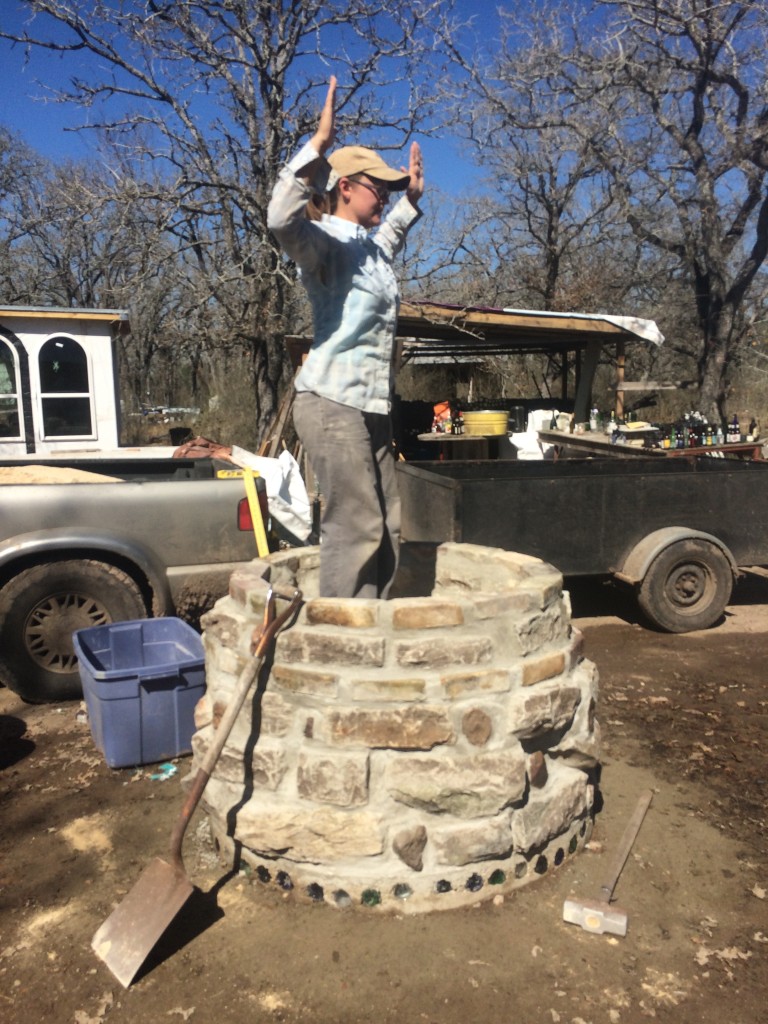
x,y
128,935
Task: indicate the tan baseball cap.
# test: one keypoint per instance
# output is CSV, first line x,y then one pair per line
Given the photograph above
x,y
351,160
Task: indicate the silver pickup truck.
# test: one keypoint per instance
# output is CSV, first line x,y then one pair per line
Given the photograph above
x,y
156,537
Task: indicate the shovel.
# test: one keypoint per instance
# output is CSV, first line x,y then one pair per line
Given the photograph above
x,y
128,935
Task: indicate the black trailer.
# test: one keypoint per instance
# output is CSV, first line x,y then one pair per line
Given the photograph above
x,y
676,531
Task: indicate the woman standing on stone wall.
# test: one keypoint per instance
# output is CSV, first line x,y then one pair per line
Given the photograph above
x,y
321,212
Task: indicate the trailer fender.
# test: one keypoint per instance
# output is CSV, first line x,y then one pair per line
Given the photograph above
x,y
637,563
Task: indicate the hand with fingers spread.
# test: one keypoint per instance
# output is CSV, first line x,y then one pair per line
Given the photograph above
x,y
325,135
415,188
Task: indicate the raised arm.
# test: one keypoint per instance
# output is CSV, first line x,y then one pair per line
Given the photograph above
x,y
285,216
404,214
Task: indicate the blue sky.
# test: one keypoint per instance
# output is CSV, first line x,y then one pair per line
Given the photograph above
x,y
26,106
28,109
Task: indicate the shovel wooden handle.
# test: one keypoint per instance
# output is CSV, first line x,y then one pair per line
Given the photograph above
x,y
272,626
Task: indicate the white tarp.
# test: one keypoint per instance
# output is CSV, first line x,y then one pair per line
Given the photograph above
x,y
645,329
529,447
286,494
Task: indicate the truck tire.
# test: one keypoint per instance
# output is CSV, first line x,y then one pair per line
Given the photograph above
x,y
42,607
686,587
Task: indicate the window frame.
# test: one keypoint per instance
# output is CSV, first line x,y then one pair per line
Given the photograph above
x,y
45,396
16,394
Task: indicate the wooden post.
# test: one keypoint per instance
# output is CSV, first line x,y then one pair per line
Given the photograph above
x,y
587,369
620,367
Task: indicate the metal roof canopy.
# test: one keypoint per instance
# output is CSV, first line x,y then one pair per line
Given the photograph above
x,y
438,332
438,329
428,330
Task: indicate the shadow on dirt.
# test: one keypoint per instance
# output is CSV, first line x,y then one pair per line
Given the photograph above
x,y
199,913
601,595
751,587
13,745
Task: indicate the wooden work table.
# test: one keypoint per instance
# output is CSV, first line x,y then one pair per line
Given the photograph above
x,y
486,446
464,446
598,443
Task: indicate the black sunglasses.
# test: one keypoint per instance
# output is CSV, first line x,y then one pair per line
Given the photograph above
x,y
381,193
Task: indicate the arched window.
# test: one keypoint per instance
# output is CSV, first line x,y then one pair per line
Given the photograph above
x,y
9,393
65,389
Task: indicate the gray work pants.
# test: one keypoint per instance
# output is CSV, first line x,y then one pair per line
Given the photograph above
x,y
351,455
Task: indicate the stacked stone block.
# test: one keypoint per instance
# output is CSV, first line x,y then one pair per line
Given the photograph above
x,y
415,753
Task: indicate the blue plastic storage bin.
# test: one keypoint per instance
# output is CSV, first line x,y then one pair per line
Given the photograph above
x,y
141,682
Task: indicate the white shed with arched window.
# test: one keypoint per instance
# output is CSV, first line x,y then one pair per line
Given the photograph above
x,y
58,379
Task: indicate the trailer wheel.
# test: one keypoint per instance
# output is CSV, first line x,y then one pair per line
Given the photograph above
x,y
42,607
686,587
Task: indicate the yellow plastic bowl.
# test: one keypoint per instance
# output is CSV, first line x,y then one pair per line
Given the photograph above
x,y
486,421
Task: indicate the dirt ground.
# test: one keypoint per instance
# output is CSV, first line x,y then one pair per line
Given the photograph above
x,y
683,715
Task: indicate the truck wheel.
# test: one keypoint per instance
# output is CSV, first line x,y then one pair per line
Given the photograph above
x,y
42,607
686,587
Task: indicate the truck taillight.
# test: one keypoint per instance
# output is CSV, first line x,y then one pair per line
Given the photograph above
x,y
244,517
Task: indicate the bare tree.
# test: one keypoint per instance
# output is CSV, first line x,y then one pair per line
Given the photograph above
x,y
22,174
667,99
680,122
219,92
547,200
539,233
79,234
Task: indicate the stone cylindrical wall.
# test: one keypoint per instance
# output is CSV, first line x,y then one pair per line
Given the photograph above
x,y
409,754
